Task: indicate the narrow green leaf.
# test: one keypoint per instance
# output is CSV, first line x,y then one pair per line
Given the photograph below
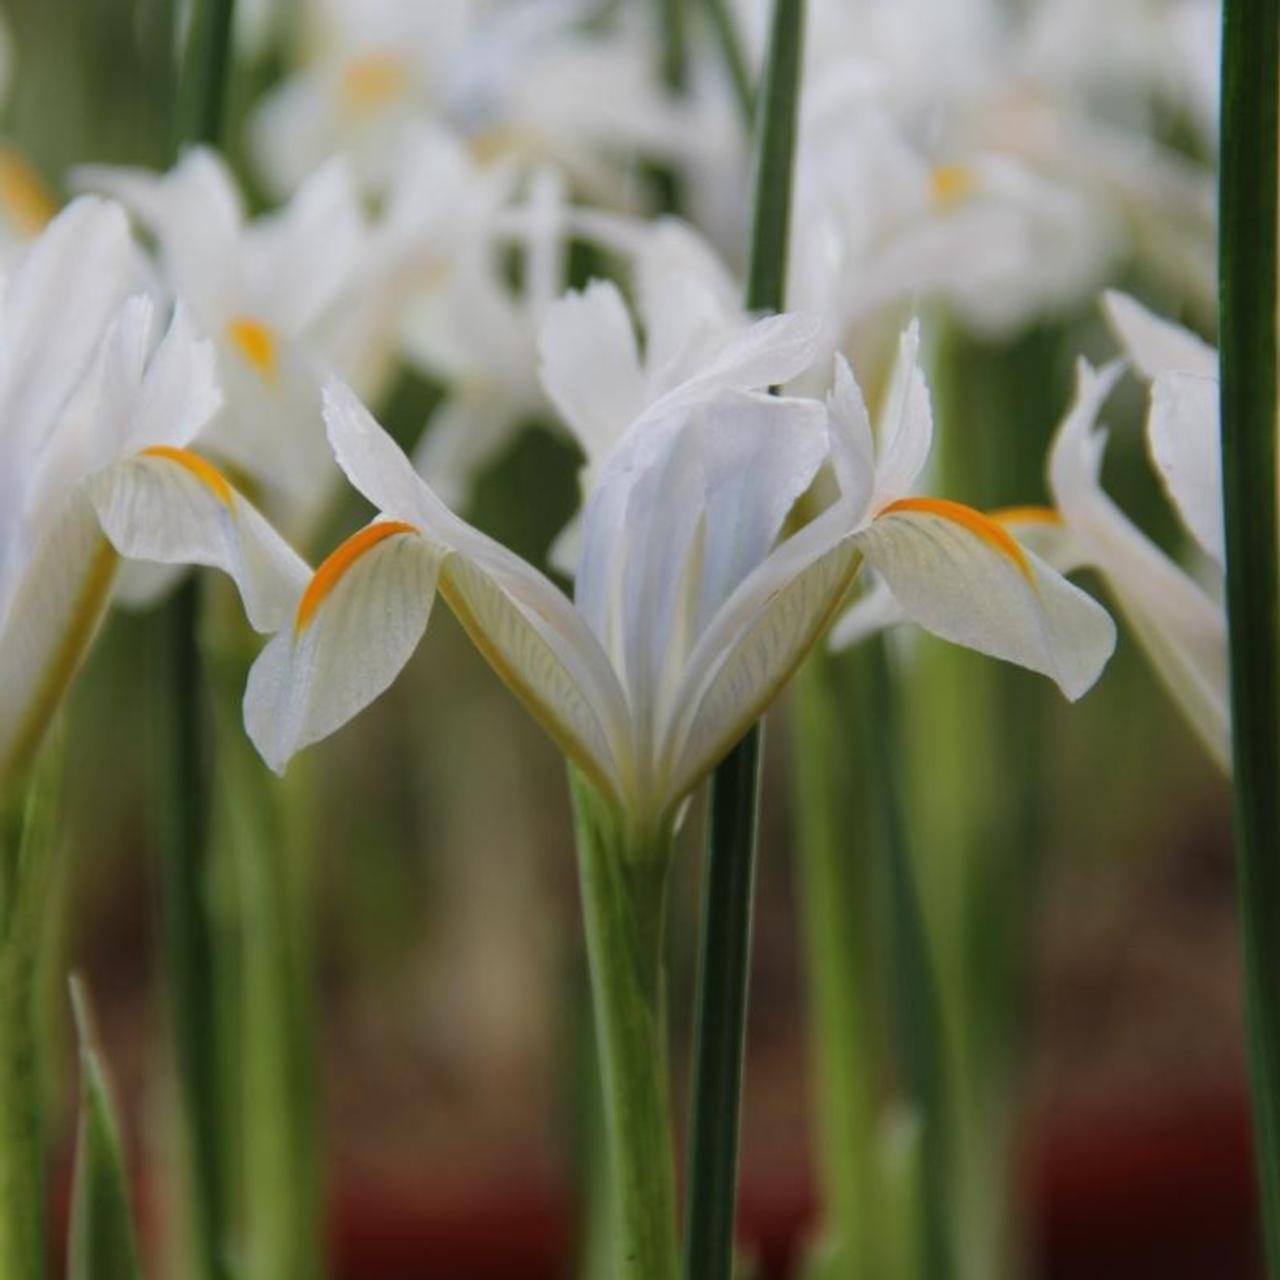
x,y
729,885
1247,258
26,871
102,1244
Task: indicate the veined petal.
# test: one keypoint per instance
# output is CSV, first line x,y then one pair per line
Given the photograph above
x,y
962,576
172,506
50,623
352,631
1044,531
534,662
1183,436
1155,345
522,623
754,645
1038,529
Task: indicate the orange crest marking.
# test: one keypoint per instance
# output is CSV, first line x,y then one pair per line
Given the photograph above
x,y
995,535
1025,515
951,183
336,564
204,471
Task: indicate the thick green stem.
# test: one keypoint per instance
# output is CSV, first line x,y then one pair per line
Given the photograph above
x,y
726,939
623,901
184,827
1248,333
918,1005
188,929
836,903
25,875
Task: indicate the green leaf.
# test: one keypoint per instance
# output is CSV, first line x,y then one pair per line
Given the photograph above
x,y
102,1245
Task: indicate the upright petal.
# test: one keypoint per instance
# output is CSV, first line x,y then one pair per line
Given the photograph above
x,y
591,366
905,433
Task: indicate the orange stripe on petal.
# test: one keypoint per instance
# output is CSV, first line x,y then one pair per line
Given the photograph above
x,y
256,343
1025,515
336,564
204,471
984,527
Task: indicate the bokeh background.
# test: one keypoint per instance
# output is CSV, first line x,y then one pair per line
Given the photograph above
x,y
452,982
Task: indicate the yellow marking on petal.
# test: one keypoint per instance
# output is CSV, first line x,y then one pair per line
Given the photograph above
x,y
204,471
336,564
370,82
256,343
984,527
951,183
28,202
1025,515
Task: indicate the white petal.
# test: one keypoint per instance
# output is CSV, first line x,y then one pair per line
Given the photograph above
x,y
853,449
591,367
1154,345
759,454
196,215
1182,629
303,258
753,647
905,433
52,619
171,506
541,664
522,623
1182,434
963,577
355,627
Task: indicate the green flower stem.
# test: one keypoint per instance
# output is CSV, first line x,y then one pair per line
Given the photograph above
x,y
188,929
263,848
1247,260
835,898
623,900
918,1005
26,828
724,967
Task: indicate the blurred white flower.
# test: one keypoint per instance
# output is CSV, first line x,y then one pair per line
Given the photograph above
x,y
276,296
86,382
1180,623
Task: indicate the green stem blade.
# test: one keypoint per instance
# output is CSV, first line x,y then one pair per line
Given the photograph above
x,y
623,902
1248,333
26,848
724,966
735,58
185,809
102,1244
